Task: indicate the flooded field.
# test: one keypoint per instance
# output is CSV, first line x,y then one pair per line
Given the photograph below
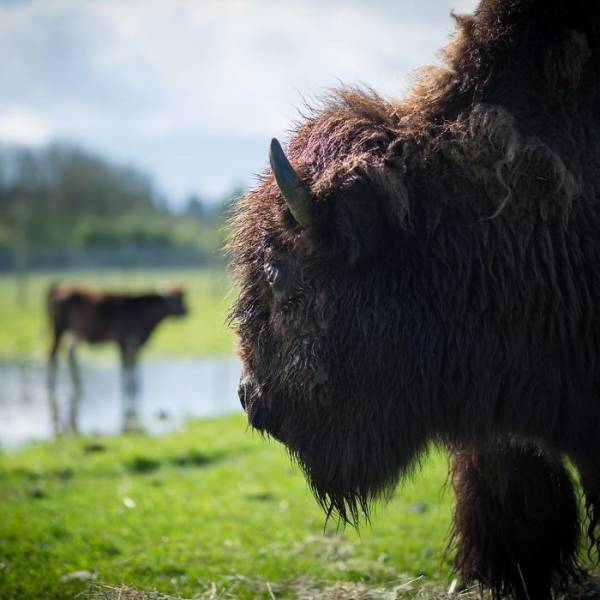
x,y
171,390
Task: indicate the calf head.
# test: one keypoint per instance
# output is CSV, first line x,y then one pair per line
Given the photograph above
x,y
175,302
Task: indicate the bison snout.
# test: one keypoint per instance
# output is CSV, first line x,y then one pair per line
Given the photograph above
x,y
253,404
243,393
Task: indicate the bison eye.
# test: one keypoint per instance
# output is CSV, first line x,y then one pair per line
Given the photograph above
x,y
274,277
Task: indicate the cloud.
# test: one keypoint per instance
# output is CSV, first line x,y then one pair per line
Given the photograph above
x,y
20,127
172,84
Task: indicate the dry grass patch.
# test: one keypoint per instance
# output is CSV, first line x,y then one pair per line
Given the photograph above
x,y
306,589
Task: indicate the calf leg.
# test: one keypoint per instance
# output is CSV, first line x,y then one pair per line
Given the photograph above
x,y
51,380
516,521
74,366
130,385
75,398
128,364
52,359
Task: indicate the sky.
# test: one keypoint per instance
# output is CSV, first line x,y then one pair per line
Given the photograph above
x,y
191,92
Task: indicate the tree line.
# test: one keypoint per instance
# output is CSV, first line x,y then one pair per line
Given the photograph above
x,y
62,206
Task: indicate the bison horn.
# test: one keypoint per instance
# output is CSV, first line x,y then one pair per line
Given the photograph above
x,y
293,190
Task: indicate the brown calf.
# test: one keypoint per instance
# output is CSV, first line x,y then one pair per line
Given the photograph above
x,y
125,318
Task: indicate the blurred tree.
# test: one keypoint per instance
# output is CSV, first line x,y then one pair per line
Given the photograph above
x,y
19,203
62,201
195,208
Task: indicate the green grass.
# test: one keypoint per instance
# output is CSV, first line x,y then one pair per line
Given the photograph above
x,y
213,509
24,331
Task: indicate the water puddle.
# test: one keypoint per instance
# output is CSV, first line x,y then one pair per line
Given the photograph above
x,y
171,390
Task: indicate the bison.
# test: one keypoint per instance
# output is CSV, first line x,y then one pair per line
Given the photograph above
x,y
127,319
428,271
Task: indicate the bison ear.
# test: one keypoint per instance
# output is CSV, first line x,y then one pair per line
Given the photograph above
x,y
299,200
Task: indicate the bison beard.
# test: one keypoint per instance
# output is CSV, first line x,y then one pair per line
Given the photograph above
x,y
428,271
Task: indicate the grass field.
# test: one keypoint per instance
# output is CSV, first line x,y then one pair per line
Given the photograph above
x,y
24,328
210,512
213,510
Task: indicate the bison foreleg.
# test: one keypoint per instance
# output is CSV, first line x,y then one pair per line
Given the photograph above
x,y
516,523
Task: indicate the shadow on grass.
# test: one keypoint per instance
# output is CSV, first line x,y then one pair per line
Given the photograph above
x,y
193,458
260,497
143,464
94,447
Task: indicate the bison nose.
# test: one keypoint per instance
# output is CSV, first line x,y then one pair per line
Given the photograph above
x,y
243,393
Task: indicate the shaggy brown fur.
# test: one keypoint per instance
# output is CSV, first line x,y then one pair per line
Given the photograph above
x,y
449,293
515,518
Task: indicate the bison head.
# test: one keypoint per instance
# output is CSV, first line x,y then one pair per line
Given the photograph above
x,y
391,263
324,316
